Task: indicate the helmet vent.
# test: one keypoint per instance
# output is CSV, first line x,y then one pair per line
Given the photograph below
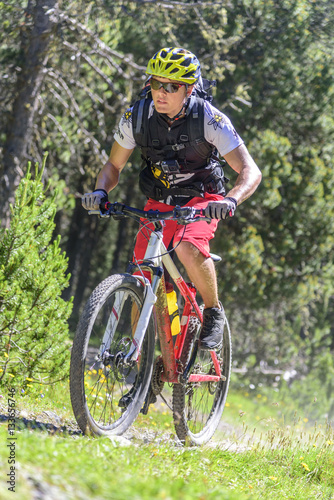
x,y
188,74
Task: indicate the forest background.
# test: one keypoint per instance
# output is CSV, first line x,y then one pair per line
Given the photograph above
x,y
70,69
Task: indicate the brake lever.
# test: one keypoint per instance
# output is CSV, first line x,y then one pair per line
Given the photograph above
x,y
94,212
185,221
193,215
108,210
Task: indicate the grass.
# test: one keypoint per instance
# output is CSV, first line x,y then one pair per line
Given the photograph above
x,y
257,454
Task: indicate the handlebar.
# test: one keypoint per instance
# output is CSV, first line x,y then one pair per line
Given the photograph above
x,y
183,215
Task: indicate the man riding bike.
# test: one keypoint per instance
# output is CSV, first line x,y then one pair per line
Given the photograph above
x,y
179,134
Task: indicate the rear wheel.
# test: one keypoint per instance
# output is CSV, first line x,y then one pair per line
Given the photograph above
x,y
106,393
198,406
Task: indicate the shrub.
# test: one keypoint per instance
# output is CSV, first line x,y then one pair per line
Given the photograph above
x,y
34,344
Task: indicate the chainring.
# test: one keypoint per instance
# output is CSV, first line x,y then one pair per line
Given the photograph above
x,y
157,383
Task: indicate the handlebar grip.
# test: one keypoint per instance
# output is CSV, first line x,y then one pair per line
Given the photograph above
x,y
104,207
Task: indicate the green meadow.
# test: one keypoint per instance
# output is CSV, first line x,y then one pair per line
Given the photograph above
x,y
263,448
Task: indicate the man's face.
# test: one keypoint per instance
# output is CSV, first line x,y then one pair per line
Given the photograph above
x,y
169,103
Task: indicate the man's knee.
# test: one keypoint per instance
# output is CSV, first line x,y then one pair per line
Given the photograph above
x,y
188,253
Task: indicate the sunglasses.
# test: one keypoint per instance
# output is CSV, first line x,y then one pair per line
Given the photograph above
x,y
171,88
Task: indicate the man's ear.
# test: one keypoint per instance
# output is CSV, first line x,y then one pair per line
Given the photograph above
x,y
189,90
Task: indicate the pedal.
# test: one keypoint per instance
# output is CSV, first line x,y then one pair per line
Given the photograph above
x,y
185,375
126,399
149,400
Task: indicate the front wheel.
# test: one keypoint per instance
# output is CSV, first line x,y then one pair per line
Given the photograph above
x,y
198,406
106,393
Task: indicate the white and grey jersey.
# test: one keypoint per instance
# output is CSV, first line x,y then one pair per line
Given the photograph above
x,y
218,130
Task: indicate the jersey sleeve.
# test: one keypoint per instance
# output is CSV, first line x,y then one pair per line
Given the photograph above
x,y
124,134
219,131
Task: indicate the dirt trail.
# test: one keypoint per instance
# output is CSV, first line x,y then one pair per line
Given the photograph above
x,y
227,436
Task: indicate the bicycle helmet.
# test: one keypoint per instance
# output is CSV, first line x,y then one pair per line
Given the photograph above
x,y
176,64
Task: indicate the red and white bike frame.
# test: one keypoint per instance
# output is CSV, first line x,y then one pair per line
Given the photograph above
x,y
155,295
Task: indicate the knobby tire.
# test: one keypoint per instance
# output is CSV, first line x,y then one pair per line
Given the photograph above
x,y
98,382
198,407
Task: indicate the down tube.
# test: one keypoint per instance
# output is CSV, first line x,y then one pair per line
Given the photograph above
x,y
162,315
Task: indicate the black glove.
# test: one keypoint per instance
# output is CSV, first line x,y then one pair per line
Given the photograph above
x,y
92,201
221,209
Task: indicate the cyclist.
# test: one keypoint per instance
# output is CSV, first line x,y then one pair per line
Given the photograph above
x,y
179,134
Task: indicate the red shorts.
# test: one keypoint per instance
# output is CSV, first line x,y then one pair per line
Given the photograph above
x,y
198,233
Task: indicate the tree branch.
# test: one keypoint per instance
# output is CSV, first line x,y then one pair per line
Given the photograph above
x,y
90,138
73,24
185,5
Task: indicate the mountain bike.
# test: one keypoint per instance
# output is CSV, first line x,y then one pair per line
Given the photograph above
x,y
115,373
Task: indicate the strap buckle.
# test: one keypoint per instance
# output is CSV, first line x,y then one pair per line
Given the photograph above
x,y
177,147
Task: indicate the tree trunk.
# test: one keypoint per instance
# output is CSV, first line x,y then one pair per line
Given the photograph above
x,y
36,34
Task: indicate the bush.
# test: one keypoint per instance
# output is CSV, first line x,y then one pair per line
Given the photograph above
x,y
34,343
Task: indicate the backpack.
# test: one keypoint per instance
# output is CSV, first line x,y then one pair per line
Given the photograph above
x,y
149,184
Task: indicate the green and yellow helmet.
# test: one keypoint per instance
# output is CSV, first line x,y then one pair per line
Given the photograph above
x,y
176,64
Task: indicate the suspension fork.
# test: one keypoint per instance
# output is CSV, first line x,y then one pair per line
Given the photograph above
x,y
152,261
116,312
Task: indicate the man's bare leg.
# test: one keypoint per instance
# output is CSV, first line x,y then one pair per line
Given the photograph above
x,y
201,271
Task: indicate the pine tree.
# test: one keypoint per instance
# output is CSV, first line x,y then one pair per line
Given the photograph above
x,y
34,343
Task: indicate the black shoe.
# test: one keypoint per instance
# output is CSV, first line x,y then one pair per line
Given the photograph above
x,y
211,336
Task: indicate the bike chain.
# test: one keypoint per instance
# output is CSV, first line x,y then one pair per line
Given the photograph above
x,y
156,385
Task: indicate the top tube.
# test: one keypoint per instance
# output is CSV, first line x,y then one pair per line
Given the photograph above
x,y
183,215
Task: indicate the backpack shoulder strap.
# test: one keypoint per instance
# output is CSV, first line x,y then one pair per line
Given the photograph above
x,y
140,116
196,128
